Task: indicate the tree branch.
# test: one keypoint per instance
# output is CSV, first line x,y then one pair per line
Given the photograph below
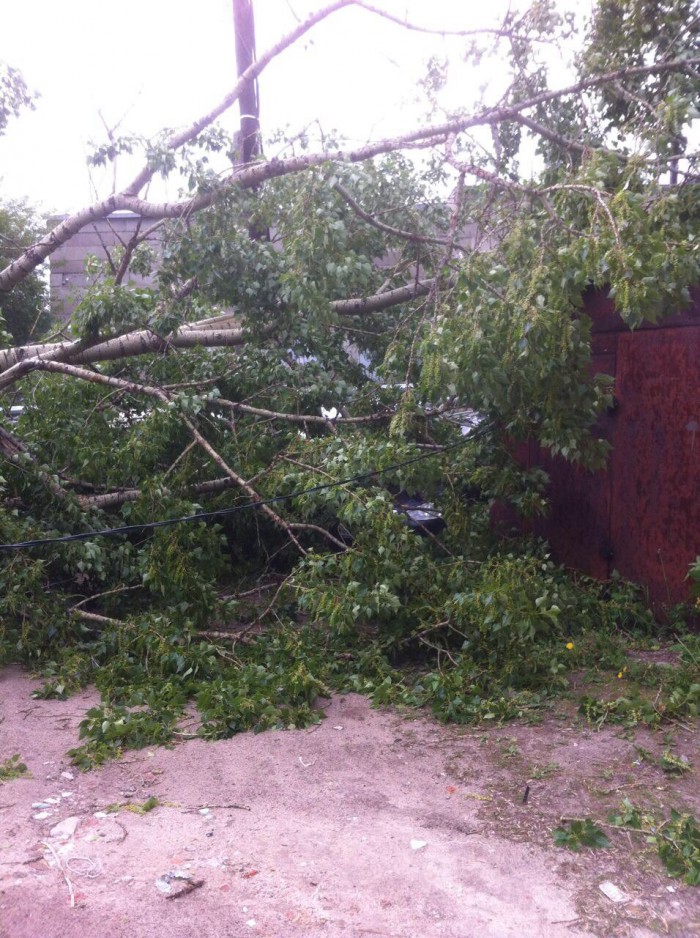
x,y
299,418
251,176
134,388
381,226
17,362
249,75
501,32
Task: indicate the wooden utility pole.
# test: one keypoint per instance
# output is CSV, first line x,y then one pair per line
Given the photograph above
x,y
249,103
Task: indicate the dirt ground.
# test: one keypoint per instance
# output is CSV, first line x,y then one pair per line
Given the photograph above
x,y
376,822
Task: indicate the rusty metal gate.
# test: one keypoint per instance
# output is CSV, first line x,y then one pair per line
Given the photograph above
x,y
641,516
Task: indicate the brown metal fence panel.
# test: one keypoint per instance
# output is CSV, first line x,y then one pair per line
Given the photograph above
x,y
655,480
641,516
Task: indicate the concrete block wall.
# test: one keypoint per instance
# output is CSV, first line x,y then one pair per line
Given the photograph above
x,y
68,279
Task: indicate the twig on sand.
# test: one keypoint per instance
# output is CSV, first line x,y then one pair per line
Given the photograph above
x,y
241,807
190,886
62,869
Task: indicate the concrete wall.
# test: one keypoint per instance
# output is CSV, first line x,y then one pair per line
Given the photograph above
x,y
67,265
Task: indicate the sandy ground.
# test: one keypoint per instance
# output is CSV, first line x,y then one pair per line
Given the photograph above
x,y
373,823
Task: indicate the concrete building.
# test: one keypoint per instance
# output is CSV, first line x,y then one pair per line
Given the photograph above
x,y
103,239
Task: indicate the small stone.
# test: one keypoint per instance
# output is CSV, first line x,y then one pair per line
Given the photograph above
x,y
179,878
41,816
418,844
613,892
65,829
39,804
68,775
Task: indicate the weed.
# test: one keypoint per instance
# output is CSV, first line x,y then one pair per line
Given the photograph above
x,y
580,833
673,765
13,768
630,816
545,771
148,805
512,750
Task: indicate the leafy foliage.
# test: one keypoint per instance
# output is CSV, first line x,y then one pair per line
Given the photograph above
x,y
677,839
679,847
12,768
348,329
23,312
655,693
14,94
580,833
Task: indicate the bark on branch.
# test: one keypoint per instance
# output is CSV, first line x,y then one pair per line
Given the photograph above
x,y
17,362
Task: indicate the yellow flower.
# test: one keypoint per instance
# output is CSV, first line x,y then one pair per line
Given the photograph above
x,y
570,646
619,673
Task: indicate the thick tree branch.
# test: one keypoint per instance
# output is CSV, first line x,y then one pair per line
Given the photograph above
x,y
97,619
254,175
114,499
17,362
365,305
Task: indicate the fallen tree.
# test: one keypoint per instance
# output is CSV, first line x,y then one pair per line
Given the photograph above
x,y
320,327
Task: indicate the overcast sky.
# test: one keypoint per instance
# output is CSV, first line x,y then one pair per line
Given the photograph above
x,y
149,64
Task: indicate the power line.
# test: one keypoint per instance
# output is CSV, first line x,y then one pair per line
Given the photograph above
x,y
249,506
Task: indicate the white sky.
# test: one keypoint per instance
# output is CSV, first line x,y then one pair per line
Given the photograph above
x,y
160,63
